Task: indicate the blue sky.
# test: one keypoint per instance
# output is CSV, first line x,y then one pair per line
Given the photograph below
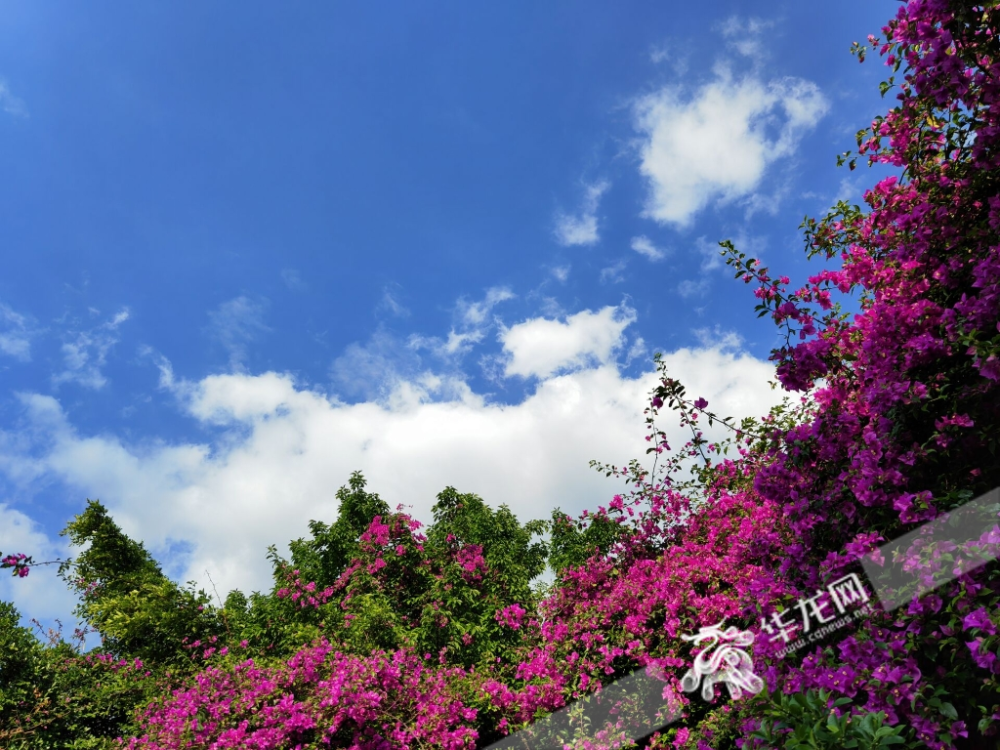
x,y
249,248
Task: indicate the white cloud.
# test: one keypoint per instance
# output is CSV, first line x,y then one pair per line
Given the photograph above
x,y
718,142
278,451
541,347
581,229
87,353
236,324
10,103
15,338
644,246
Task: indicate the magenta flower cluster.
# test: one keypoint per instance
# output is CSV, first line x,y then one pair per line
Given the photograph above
x,y
21,564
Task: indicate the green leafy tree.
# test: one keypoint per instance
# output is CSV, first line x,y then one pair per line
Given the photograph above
x,y
275,625
138,611
467,596
573,542
54,698
378,583
333,547
20,661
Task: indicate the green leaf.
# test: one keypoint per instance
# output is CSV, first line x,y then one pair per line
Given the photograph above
x,y
949,710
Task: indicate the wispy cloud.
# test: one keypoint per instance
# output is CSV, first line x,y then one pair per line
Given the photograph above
x,y
691,288
718,142
712,260
644,246
16,332
744,35
235,325
614,274
390,303
86,354
375,370
716,338
476,313
472,320
711,254
293,280
10,103
371,370
581,228
676,54
659,53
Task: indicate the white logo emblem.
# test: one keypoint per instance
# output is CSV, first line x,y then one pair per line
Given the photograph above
x,y
721,661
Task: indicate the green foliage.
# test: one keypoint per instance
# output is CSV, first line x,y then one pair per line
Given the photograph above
x,y
572,542
325,556
467,603
507,545
138,611
424,598
52,698
807,721
20,657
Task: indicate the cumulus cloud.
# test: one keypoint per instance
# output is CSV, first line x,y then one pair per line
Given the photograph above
x,y
717,142
16,332
278,450
644,246
235,325
86,354
541,347
581,228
